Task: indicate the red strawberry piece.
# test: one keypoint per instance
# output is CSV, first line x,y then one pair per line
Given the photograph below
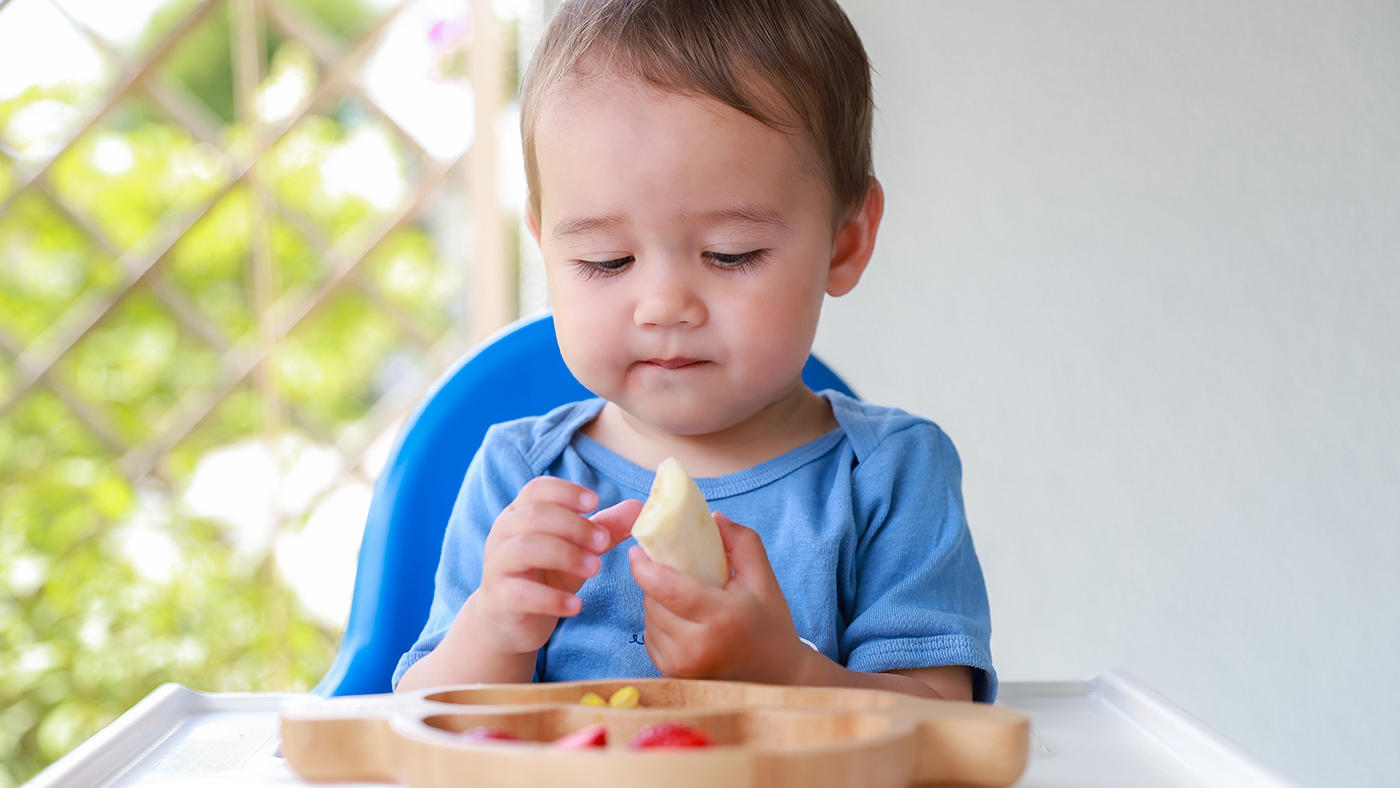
x,y
669,734
484,733
583,738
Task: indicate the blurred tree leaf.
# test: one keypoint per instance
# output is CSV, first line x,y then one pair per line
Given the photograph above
x,y
346,19
46,263
203,59
328,366
7,177
124,182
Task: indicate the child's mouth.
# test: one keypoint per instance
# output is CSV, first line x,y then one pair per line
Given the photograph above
x,y
674,363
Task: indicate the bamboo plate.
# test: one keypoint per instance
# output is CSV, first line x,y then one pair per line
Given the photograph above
x,y
764,736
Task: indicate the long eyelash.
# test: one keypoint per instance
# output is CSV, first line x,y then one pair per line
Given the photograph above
x,y
590,269
744,261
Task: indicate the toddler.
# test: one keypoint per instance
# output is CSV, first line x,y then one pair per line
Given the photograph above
x,y
699,180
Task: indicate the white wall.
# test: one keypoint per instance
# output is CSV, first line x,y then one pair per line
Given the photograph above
x,y
1141,261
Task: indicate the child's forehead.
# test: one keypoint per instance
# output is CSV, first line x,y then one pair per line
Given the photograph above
x,y
617,107
589,88
596,76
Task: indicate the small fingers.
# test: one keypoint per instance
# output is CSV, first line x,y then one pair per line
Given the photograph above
x,y
552,519
660,618
617,520
522,597
551,489
674,644
682,594
660,647
746,553
657,650
533,551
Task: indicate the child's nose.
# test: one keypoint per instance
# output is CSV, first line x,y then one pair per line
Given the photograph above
x,y
667,298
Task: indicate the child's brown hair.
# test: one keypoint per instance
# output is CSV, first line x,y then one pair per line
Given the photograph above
x,y
741,52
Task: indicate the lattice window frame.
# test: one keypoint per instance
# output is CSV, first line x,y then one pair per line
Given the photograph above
x,y
491,302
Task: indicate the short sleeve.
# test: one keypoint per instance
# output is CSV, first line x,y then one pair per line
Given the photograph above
x,y
920,600
494,478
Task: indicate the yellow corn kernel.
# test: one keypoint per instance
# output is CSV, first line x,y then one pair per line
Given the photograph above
x,y
593,699
625,698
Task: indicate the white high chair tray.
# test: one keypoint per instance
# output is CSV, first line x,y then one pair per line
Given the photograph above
x,y
1107,730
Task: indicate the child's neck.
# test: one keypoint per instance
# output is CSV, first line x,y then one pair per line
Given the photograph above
x,y
799,417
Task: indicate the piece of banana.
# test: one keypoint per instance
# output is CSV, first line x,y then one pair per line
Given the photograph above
x,y
675,527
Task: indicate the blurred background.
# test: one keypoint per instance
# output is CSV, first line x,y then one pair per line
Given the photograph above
x,y
238,239
1139,260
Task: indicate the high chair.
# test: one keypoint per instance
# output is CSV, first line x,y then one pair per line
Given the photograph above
x,y
515,373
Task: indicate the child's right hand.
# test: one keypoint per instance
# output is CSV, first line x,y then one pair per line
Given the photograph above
x,y
539,552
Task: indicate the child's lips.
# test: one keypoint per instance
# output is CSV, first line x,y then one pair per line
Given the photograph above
x,y
678,362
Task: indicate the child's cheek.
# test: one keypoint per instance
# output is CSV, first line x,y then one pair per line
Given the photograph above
x,y
593,347
775,330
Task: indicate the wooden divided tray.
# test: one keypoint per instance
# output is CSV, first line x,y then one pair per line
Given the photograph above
x,y
762,735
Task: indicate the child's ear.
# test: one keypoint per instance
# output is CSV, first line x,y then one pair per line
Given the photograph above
x,y
533,222
855,242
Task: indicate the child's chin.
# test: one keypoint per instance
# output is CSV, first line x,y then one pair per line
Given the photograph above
x,y
685,418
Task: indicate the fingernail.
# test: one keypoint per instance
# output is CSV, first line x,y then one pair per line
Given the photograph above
x,y
591,564
587,500
600,538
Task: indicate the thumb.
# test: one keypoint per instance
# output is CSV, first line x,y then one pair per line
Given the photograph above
x,y
746,553
618,519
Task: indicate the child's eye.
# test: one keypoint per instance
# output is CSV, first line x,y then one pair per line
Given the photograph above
x,y
737,262
596,268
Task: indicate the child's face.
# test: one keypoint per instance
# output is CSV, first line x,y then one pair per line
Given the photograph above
x,y
687,246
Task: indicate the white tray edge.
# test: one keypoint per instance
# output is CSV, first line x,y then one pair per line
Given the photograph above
x,y
116,747
1198,744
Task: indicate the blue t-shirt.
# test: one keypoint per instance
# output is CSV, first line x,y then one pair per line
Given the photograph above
x,y
864,528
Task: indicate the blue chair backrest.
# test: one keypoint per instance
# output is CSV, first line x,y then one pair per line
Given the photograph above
x,y
518,372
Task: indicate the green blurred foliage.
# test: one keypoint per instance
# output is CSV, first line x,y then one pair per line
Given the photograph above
x,y
237,415
203,59
90,622
85,634
297,160
210,264
345,20
327,366
7,177
402,269
49,263
135,364
126,174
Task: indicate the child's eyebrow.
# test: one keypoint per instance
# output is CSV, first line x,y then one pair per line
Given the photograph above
x,y
584,224
753,215
750,215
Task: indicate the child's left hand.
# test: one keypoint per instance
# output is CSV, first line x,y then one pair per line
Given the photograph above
x,y
743,631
